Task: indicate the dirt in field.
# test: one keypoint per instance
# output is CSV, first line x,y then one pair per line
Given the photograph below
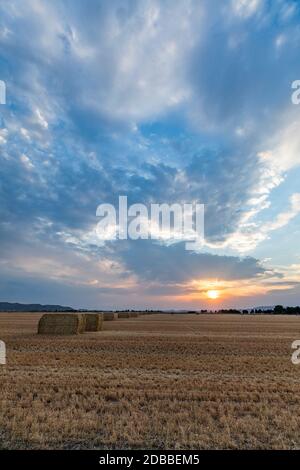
x,y
155,382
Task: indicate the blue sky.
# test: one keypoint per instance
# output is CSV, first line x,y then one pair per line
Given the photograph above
x,y
165,102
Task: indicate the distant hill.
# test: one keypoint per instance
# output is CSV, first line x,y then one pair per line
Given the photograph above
x,y
16,307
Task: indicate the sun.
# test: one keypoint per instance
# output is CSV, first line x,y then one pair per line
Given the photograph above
x,y
213,294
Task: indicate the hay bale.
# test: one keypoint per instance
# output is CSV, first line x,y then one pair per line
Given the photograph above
x,y
93,321
124,315
108,316
134,314
60,324
82,326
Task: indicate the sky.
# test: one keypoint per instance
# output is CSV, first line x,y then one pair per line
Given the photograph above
x,y
160,101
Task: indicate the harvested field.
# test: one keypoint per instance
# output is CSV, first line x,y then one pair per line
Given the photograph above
x,y
159,381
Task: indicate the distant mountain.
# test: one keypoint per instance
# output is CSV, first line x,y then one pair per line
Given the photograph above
x,y
16,307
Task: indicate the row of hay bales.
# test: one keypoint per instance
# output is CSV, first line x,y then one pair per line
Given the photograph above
x,y
77,323
110,316
69,323
128,314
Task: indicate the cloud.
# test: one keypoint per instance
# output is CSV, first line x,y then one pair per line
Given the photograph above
x,y
26,162
283,151
245,8
122,97
116,61
155,262
250,233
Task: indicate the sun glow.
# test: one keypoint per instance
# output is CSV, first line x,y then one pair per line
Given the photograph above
x,y
213,294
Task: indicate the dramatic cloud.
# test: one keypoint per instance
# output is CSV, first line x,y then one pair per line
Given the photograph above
x,y
160,101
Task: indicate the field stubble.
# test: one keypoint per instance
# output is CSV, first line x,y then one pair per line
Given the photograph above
x,y
158,382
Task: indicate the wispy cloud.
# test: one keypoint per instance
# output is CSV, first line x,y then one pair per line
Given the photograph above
x,y
109,98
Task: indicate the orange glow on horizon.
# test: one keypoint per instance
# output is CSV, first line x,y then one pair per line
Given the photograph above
x,y
212,291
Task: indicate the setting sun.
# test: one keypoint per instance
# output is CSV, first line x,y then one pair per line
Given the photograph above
x,y
213,294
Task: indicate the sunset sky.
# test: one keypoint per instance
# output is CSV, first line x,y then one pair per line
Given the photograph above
x,y
161,101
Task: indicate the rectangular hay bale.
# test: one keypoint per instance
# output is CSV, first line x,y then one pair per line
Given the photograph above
x,y
108,316
94,321
60,324
124,315
82,326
